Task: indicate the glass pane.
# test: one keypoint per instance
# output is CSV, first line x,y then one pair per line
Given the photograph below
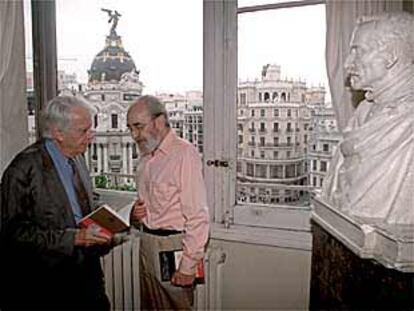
x,y
282,86
244,3
29,71
113,51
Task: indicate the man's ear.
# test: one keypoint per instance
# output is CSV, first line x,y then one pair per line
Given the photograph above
x,y
160,121
57,134
391,57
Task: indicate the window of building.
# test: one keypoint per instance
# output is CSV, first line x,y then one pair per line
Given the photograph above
x,y
240,139
275,154
276,171
314,165
243,98
249,169
290,170
276,112
262,112
262,141
95,121
275,127
324,166
325,147
289,112
114,121
252,112
134,151
261,170
276,141
262,127
262,154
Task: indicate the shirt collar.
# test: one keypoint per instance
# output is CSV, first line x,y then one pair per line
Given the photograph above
x,y
168,141
55,153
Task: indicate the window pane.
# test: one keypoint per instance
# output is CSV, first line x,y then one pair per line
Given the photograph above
x,y
282,77
243,3
112,52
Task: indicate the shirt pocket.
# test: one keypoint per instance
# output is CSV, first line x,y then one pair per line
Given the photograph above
x,y
163,194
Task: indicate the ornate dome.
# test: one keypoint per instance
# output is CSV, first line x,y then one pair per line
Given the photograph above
x,y
113,61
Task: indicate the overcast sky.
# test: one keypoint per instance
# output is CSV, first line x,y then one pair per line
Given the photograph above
x,y
164,37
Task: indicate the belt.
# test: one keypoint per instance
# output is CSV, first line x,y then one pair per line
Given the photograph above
x,y
160,232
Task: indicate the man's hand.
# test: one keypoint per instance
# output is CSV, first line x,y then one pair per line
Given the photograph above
x,y
181,279
87,238
139,211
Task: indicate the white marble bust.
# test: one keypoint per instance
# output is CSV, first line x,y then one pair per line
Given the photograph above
x,y
372,172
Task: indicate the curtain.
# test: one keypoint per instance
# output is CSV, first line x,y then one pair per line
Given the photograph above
x,y
341,16
13,103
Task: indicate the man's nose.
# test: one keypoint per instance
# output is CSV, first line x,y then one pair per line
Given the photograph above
x,y
135,133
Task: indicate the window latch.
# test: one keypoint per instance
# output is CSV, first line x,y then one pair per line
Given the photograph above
x,y
217,163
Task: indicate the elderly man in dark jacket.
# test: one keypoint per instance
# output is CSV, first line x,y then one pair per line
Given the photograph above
x,y
47,261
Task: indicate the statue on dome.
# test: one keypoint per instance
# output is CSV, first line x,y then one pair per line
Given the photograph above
x,y
130,77
372,173
113,17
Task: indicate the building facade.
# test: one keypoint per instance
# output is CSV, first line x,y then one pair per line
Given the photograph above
x,y
274,127
113,85
322,144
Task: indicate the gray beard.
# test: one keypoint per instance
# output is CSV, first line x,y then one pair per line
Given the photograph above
x,y
150,145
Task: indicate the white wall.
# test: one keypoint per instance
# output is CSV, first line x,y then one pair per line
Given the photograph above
x,y
260,277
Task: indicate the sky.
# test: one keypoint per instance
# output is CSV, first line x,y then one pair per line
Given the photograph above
x,y
164,37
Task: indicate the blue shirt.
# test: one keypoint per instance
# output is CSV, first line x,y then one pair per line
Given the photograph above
x,y
66,176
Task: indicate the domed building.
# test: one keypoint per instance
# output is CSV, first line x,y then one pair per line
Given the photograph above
x,y
113,85
110,63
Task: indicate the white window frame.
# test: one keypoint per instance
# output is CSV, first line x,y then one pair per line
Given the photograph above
x,y
256,224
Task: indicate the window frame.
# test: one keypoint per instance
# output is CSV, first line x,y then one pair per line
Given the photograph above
x,y
230,220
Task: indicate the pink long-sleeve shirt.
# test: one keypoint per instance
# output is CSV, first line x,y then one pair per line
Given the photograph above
x,y
172,187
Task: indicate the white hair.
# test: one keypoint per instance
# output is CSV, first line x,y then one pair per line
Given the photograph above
x,y
59,113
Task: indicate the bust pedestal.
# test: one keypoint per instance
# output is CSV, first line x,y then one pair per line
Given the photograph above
x,y
360,265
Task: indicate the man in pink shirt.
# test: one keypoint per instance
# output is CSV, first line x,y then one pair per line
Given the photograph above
x,y
171,205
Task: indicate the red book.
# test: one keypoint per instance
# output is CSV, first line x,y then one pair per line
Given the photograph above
x,y
106,221
169,262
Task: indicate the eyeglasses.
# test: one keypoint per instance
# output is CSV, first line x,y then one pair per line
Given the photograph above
x,y
141,126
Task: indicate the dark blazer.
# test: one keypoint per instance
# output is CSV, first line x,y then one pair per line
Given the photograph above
x,y
40,268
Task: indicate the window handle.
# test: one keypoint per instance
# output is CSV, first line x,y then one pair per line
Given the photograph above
x,y
217,163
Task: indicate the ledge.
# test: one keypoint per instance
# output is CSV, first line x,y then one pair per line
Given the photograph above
x,y
390,245
294,239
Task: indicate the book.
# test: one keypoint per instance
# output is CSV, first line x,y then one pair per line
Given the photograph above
x,y
106,221
169,262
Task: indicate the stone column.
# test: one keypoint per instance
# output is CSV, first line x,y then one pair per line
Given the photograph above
x,y
131,166
105,158
99,157
124,159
